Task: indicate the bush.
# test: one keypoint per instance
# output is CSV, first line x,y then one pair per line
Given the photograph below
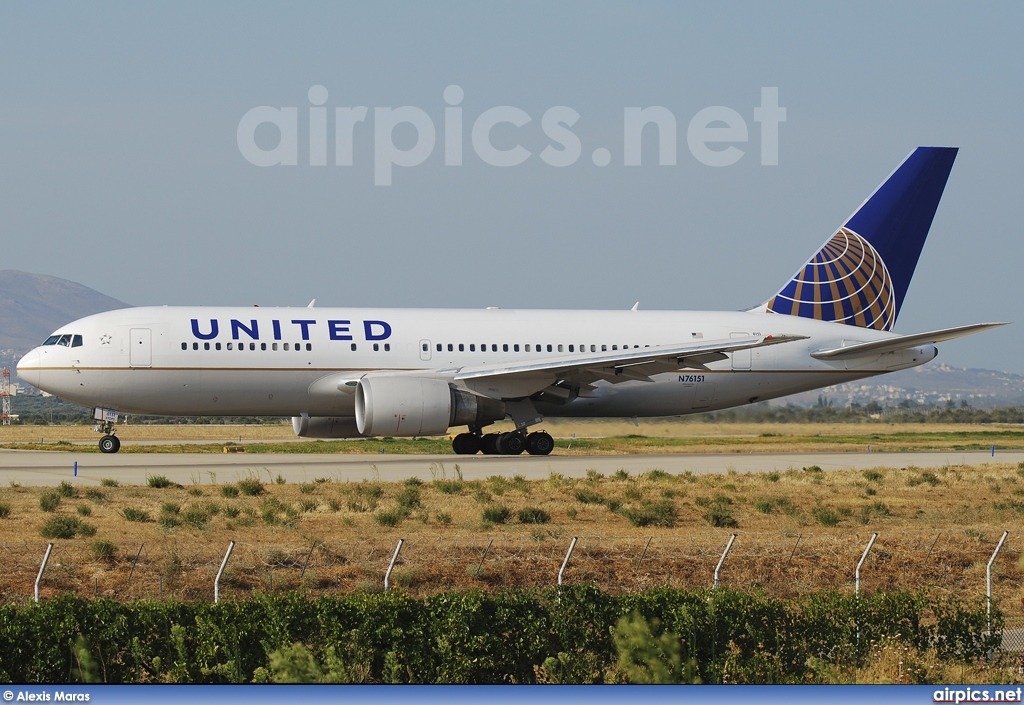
x,y
449,486
497,514
392,518
827,516
306,488
136,514
66,489
251,487
84,510
65,527
533,515
158,481
872,475
103,550
589,497
648,513
765,506
95,495
49,501
195,516
229,491
5,510
719,516
109,482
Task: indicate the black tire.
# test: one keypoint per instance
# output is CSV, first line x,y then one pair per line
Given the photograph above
x,y
511,443
110,444
466,444
489,444
540,443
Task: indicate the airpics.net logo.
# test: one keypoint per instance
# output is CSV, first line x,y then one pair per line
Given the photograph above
x,y
712,134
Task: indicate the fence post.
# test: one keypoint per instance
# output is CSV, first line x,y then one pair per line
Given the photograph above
x,y
568,555
732,537
988,579
387,575
861,562
42,567
223,563
309,555
799,536
480,568
134,562
642,555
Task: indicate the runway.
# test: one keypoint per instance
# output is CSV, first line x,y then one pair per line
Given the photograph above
x,y
51,467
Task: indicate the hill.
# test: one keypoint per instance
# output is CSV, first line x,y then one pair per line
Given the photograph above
x,y
34,305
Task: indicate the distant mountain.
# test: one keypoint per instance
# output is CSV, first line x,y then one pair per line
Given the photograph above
x,y
34,305
928,384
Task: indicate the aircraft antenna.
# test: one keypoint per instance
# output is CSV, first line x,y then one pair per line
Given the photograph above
x,y
5,394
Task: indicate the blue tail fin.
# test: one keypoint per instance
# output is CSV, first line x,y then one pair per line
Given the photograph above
x,y
861,275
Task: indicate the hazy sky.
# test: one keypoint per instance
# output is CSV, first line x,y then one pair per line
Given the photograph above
x,y
120,164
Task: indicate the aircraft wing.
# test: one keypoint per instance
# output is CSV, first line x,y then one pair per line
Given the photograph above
x,y
902,342
523,379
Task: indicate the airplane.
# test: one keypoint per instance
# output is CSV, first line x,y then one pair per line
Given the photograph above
x,y
347,372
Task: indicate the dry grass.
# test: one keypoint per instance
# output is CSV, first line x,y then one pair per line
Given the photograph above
x,y
936,529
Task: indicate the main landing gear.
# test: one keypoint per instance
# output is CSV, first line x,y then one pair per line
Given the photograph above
x,y
512,443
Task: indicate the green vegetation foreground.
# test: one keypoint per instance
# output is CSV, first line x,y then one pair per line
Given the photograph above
x,y
575,634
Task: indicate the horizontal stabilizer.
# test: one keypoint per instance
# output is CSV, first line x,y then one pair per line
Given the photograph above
x,y
902,342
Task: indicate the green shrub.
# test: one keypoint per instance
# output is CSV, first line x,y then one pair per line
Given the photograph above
x,y
409,498
49,501
170,508
5,509
231,512
765,506
719,516
813,470
196,517
497,514
586,496
650,513
135,514
449,486
308,505
158,481
62,526
392,518
827,516
103,550
95,495
306,488
109,482
533,515
872,475
229,491
251,487
443,518
83,510
66,489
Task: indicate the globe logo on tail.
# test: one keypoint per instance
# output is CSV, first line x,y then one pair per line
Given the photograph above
x,y
846,282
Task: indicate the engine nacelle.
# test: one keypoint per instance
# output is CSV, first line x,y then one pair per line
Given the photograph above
x,y
418,406
325,427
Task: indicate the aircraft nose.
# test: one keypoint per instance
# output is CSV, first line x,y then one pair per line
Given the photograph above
x,y
28,368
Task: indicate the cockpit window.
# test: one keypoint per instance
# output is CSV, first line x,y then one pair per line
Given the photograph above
x,y
52,340
65,340
68,340
76,342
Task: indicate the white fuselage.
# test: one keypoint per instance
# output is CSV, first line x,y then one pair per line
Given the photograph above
x,y
178,361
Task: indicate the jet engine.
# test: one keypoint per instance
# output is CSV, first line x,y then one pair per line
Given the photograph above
x,y
325,427
418,406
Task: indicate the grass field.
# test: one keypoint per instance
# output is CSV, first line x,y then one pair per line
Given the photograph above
x,y
797,531
573,438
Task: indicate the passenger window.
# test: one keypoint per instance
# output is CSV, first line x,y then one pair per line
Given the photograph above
x,y
472,347
439,347
285,346
462,348
184,346
494,347
230,346
527,347
571,348
604,348
593,348
504,347
451,348
376,347
559,348
273,346
206,346
424,347
549,347
298,347
76,341
353,347
515,348
615,347
263,346
309,347
195,346
387,347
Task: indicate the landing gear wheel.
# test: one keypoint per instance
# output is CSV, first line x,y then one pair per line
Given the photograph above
x,y
466,444
511,443
489,444
540,443
110,444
